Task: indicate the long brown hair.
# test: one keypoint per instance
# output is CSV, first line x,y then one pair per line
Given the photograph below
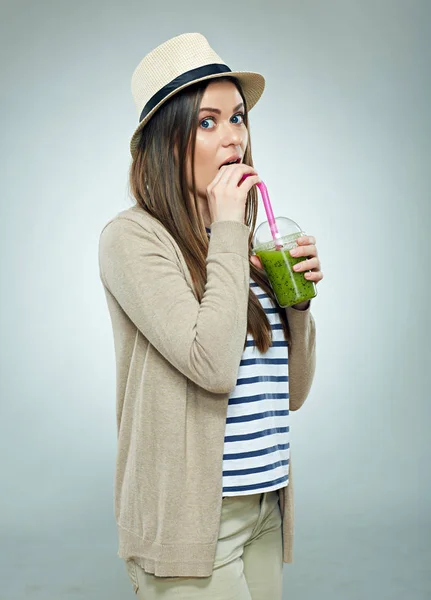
x,y
158,182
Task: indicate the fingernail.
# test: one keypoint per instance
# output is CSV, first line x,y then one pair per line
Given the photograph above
x,y
294,252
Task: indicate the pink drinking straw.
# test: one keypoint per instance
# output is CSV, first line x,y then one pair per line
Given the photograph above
x,y
269,214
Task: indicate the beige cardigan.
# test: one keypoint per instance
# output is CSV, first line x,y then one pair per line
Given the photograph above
x,y
176,363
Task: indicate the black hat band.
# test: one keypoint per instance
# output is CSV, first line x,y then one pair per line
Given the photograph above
x,y
181,80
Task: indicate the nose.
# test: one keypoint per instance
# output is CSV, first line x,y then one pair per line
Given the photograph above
x,y
231,135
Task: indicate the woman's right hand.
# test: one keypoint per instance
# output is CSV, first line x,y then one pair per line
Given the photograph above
x,y
226,196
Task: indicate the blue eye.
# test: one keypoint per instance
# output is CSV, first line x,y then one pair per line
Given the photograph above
x,y
239,115
205,121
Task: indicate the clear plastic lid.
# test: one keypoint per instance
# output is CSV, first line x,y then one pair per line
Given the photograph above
x,y
288,232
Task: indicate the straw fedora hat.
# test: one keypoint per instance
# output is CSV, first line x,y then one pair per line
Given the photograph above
x,y
177,64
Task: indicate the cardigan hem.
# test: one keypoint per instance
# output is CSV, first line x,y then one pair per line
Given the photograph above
x,y
161,560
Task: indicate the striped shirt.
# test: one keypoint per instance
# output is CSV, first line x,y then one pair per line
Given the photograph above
x,y
257,438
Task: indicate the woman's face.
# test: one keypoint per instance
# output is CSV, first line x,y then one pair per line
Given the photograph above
x,y
221,132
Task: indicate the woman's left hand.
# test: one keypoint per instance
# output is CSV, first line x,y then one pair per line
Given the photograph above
x,y
306,247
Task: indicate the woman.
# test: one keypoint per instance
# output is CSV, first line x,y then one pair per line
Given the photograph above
x,y
203,490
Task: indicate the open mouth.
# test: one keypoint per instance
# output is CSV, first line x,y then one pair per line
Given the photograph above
x,y
231,162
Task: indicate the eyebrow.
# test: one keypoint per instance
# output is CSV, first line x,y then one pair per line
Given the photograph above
x,y
216,110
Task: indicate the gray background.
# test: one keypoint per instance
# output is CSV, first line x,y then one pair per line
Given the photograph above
x,y
342,139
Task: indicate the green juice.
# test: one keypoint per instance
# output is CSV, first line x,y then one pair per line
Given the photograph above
x,y
289,286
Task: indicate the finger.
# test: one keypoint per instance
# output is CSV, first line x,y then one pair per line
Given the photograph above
x,y
306,239
235,173
216,179
315,276
256,261
221,174
304,251
250,182
306,265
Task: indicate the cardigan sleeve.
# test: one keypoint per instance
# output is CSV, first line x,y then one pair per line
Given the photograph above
x,y
302,355
203,340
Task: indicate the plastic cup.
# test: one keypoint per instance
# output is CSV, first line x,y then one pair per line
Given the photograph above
x,y
290,287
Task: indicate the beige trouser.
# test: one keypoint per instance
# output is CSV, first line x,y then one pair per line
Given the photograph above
x,y
248,563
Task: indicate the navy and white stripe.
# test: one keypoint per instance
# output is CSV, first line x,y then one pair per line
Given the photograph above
x,y
257,438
